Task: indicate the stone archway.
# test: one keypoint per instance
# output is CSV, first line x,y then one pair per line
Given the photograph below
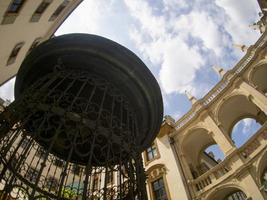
x,y
228,193
193,147
232,111
258,77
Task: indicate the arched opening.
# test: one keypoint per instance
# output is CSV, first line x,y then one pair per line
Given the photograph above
x,y
228,193
209,157
258,78
261,171
215,152
237,108
243,130
264,180
194,146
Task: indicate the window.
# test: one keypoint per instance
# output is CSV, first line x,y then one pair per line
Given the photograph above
x,y
40,153
151,152
34,44
264,180
12,11
52,183
59,9
159,191
76,169
109,176
15,6
58,162
25,143
238,195
31,174
14,53
95,182
40,10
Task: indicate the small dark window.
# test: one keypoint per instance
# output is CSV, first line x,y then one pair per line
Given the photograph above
x,y
15,6
12,11
151,152
238,195
58,162
40,10
95,182
25,143
31,174
109,177
59,9
52,183
14,53
76,169
159,190
35,44
42,7
40,153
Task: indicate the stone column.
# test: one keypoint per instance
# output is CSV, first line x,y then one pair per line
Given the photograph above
x,y
254,96
220,136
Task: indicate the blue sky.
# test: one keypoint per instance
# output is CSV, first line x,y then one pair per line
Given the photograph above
x,y
179,40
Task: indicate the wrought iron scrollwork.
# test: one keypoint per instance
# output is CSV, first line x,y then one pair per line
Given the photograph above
x,y
60,142
85,109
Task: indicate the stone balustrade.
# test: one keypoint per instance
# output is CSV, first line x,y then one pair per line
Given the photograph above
x,y
220,87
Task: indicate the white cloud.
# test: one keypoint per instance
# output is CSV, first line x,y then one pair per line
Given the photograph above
x,y
175,4
201,25
154,26
179,66
239,15
177,60
247,125
108,18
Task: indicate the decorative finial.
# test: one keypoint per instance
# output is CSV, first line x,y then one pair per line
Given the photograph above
x,y
242,47
258,26
220,71
190,97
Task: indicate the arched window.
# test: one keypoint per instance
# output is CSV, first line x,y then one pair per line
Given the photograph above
x,y
210,157
14,53
59,9
237,195
157,183
35,43
244,130
264,180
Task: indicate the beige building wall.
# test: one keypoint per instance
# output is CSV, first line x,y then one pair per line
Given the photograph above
x,y
165,165
240,94
242,174
25,31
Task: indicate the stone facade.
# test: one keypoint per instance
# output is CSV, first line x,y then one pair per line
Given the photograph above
x,y
188,172
23,25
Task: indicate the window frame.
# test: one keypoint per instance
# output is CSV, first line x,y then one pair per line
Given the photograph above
x,y
59,10
10,16
35,43
12,58
154,173
145,154
162,187
76,169
109,177
43,6
8,11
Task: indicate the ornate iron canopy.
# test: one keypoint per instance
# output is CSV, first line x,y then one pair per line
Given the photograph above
x,y
85,109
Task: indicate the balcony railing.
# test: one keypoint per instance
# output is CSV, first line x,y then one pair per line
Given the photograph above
x,y
220,87
233,162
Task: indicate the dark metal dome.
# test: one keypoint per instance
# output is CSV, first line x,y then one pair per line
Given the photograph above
x,y
93,63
